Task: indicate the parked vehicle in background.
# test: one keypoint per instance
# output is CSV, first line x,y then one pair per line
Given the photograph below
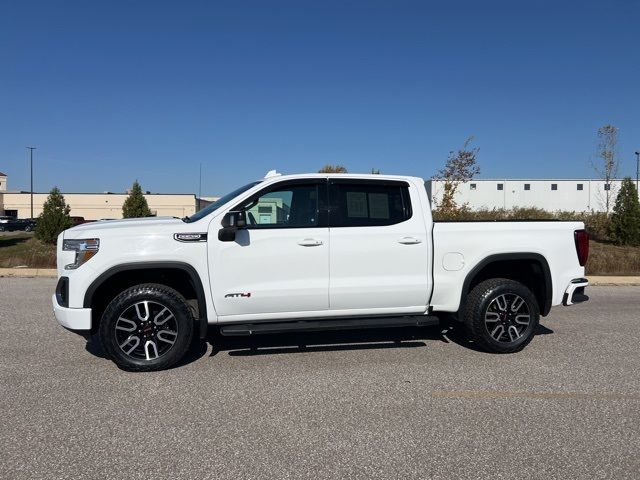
x,y
18,224
5,219
77,221
306,253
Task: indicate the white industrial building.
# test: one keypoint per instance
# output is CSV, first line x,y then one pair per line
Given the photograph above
x,y
577,195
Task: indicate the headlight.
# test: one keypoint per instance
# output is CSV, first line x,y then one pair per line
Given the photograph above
x,y
85,249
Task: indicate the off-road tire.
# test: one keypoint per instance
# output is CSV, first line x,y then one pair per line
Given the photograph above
x,y
477,306
155,294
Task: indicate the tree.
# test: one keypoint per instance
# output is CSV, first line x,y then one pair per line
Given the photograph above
x,y
54,217
608,164
461,167
135,206
332,169
624,228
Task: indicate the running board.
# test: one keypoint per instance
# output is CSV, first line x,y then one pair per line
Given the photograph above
x,y
324,325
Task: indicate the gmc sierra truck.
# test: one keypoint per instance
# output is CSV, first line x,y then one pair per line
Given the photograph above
x,y
311,252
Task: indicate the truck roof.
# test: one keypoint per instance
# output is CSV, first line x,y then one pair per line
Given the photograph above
x,y
368,176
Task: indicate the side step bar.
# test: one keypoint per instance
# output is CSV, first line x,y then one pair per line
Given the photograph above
x,y
324,325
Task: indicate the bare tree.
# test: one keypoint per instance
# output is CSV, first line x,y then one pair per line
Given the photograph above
x,y
461,167
607,164
332,169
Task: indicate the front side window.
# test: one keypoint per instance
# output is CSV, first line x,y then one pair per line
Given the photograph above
x,y
500,186
369,204
292,206
554,186
580,186
527,186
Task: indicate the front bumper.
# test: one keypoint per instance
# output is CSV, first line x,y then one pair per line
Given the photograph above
x,y
72,318
575,292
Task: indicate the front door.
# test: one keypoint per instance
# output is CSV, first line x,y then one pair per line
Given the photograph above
x,y
280,262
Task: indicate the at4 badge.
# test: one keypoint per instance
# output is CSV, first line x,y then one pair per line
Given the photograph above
x,y
238,295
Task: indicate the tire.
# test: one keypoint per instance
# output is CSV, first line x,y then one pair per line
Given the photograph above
x,y
1,228
27,229
501,315
146,328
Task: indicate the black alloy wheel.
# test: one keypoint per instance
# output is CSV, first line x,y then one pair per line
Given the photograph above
x,y
146,327
501,315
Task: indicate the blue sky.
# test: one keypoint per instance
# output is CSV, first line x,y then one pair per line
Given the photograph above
x,y
113,91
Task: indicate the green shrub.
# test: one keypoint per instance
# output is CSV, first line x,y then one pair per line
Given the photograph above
x,y
135,206
624,228
54,217
596,223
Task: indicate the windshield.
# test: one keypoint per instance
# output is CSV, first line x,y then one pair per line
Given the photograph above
x,y
218,203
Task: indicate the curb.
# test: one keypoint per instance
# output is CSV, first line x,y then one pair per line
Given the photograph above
x,y
29,272
602,280
594,280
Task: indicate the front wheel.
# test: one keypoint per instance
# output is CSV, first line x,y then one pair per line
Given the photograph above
x,y
501,315
147,327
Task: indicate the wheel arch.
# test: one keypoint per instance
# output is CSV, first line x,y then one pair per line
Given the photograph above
x,y
180,276
528,268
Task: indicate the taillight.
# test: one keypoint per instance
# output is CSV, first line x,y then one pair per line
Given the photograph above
x,y
582,246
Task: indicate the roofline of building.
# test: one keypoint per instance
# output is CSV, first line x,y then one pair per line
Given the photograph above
x,y
533,180
92,193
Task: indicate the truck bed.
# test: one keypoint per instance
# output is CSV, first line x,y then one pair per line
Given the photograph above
x,y
459,247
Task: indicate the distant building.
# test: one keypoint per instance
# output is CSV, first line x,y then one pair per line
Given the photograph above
x,y
94,206
579,195
203,202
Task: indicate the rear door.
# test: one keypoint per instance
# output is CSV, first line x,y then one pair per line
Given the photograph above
x,y
378,257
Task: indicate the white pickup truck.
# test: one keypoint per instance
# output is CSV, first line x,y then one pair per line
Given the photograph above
x,y
311,252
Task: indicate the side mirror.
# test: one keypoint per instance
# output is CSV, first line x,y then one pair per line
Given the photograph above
x,y
231,223
234,220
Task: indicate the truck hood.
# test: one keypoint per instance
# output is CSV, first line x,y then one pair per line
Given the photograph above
x,y
124,227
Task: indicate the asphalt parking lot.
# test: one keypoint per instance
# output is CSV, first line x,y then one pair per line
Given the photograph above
x,y
394,403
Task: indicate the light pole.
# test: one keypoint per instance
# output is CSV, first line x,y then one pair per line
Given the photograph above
x,y
31,149
199,187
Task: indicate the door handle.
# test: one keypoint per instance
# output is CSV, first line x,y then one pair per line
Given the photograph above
x,y
310,242
409,240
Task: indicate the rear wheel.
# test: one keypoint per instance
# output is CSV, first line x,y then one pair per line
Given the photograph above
x,y
501,315
147,327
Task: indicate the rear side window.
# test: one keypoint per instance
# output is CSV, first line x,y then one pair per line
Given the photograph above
x,y
369,204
